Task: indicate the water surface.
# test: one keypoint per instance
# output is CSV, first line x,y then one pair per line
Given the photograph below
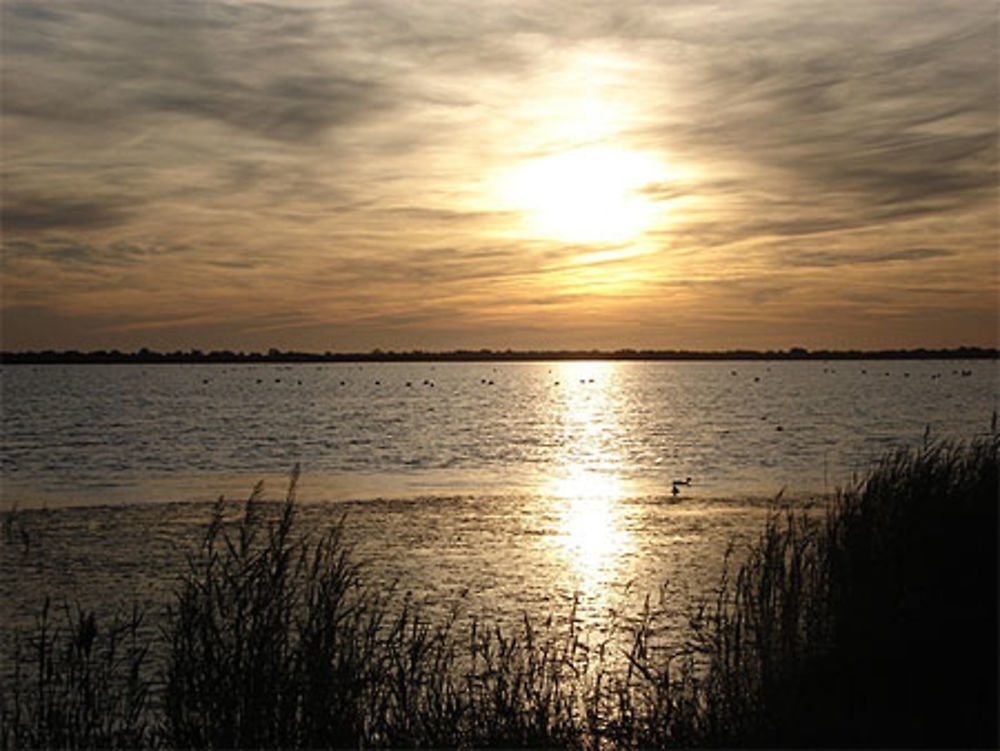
x,y
495,489
124,433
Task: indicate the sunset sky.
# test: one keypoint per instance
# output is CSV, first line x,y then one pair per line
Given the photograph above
x,y
437,175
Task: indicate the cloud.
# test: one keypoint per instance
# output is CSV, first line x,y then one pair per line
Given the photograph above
x,y
284,108
69,252
257,68
343,157
878,112
30,213
832,258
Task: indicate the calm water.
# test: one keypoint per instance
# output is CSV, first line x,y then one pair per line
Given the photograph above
x,y
111,434
500,488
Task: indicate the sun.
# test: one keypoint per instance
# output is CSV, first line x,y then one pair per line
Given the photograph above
x,y
592,195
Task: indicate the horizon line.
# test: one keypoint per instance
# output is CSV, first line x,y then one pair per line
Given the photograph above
x,y
147,356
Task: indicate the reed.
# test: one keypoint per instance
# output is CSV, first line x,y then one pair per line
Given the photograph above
x,y
78,684
13,530
874,624
272,642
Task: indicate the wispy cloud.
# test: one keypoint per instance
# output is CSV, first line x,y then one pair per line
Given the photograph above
x,y
29,214
332,166
821,258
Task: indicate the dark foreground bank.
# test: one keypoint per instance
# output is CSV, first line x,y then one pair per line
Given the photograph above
x,y
874,626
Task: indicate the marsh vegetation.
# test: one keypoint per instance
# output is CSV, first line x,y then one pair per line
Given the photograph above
x,y
870,623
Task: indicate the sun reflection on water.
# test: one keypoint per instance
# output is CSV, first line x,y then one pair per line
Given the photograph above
x,y
593,542
589,516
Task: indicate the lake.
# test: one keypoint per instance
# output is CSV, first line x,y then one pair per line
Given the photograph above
x,y
497,488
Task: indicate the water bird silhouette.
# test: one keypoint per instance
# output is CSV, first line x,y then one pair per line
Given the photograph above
x,y
675,486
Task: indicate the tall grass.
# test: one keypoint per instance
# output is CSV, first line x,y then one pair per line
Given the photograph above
x,y
872,625
266,631
78,684
876,626
274,642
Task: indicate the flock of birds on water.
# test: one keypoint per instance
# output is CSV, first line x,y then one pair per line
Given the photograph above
x,y
964,373
676,485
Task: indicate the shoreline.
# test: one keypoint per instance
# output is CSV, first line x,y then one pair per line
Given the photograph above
x,y
319,492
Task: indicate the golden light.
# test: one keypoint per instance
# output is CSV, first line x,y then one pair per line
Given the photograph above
x,y
590,528
592,541
586,502
587,195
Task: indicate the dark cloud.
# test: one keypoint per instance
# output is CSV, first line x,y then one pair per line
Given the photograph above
x,y
69,253
258,69
283,108
234,264
838,258
27,213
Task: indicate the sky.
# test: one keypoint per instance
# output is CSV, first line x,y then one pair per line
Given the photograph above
x,y
344,176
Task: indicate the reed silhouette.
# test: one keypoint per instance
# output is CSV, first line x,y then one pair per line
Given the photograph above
x,y
874,624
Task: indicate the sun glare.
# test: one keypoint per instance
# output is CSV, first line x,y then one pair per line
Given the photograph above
x,y
592,530
589,195
586,499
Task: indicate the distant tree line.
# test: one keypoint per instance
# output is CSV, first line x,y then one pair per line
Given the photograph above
x,y
146,356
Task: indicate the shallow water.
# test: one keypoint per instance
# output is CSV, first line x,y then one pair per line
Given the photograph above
x,y
493,489
488,558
